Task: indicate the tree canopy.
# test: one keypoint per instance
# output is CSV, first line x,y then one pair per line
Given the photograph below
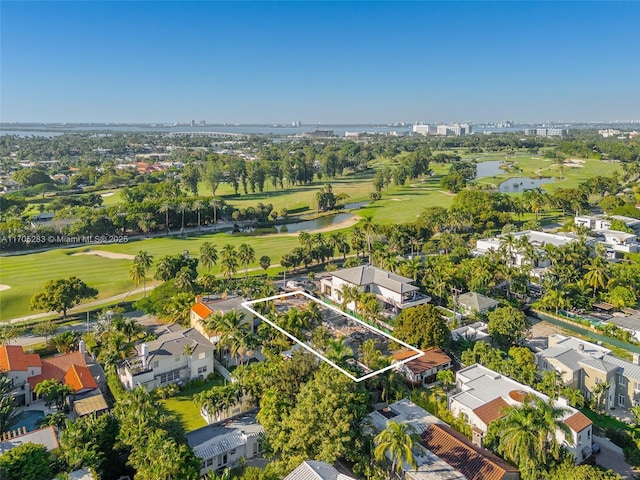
x,y
422,327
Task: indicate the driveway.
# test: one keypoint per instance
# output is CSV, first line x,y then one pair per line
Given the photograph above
x,y
611,458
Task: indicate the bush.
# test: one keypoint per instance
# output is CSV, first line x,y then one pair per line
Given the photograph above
x,y
620,437
195,383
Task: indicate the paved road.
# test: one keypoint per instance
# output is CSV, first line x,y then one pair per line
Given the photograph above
x,y
84,306
141,318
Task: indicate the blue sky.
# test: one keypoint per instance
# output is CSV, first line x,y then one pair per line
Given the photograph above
x,y
276,62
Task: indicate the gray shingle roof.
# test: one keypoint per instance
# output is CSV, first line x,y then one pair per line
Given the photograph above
x,y
368,274
477,301
173,343
599,364
629,369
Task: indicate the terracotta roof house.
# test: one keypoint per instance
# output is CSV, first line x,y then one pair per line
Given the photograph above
x,y
473,462
423,369
484,395
27,370
441,453
206,306
70,368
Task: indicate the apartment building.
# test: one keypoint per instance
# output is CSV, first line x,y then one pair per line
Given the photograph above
x,y
584,366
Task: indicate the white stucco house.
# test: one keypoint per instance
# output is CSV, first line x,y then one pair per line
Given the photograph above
x,y
395,292
177,356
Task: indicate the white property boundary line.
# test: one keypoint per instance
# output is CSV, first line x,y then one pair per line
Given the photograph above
x,y
248,305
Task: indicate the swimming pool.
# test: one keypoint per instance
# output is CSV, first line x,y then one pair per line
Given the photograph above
x,y
29,419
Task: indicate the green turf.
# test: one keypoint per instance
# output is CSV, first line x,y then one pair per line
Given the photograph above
x,y
183,407
27,274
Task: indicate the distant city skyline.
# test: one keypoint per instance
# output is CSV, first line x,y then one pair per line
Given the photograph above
x,y
319,62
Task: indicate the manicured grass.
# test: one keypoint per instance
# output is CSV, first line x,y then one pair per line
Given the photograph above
x,y
183,407
27,274
606,421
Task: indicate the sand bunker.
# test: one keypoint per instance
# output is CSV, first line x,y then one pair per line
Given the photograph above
x,y
4,287
104,195
102,253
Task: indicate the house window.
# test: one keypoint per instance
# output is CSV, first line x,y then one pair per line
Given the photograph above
x,y
202,355
177,358
598,380
155,364
588,433
621,400
232,452
622,381
636,386
202,370
209,462
170,377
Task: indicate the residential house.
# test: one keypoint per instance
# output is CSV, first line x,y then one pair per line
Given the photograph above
x,y
473,331
176,356
26,370
316,470
422,370
219,305
393,291
473,462
603,222
441,453
584,366
472,302
221,446
517,255
19,366
44,436
485,394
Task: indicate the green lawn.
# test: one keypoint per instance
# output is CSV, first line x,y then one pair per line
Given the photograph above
x,y
27,274
183,407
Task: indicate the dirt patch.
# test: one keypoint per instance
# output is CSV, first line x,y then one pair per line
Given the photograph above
x,y
4,287
102,253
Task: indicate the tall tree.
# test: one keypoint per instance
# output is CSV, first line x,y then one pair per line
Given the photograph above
x,y
208,255
396,442
62,294
246,255
507,325
229,262
8,407
26,462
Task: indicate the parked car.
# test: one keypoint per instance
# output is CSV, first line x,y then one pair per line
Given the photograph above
x,y
595,448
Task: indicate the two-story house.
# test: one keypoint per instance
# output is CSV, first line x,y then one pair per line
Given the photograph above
x,y
485,395
205,307
585,366
177,356
26,370
394,292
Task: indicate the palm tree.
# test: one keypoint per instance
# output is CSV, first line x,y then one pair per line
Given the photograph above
x,y
183,207
208,255
215,204
337,351
370,230
197,206
225,325
396,443
229,263
350,293
600,391
447,377
246,255
141,265
597,274
358,240
183,280
131,328
338,242
528,435
165,208
554,298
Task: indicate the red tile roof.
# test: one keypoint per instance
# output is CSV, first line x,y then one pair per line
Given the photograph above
x,y
491,411
432,358
58,368
201,310
577,422
473,462
80,378
13,358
